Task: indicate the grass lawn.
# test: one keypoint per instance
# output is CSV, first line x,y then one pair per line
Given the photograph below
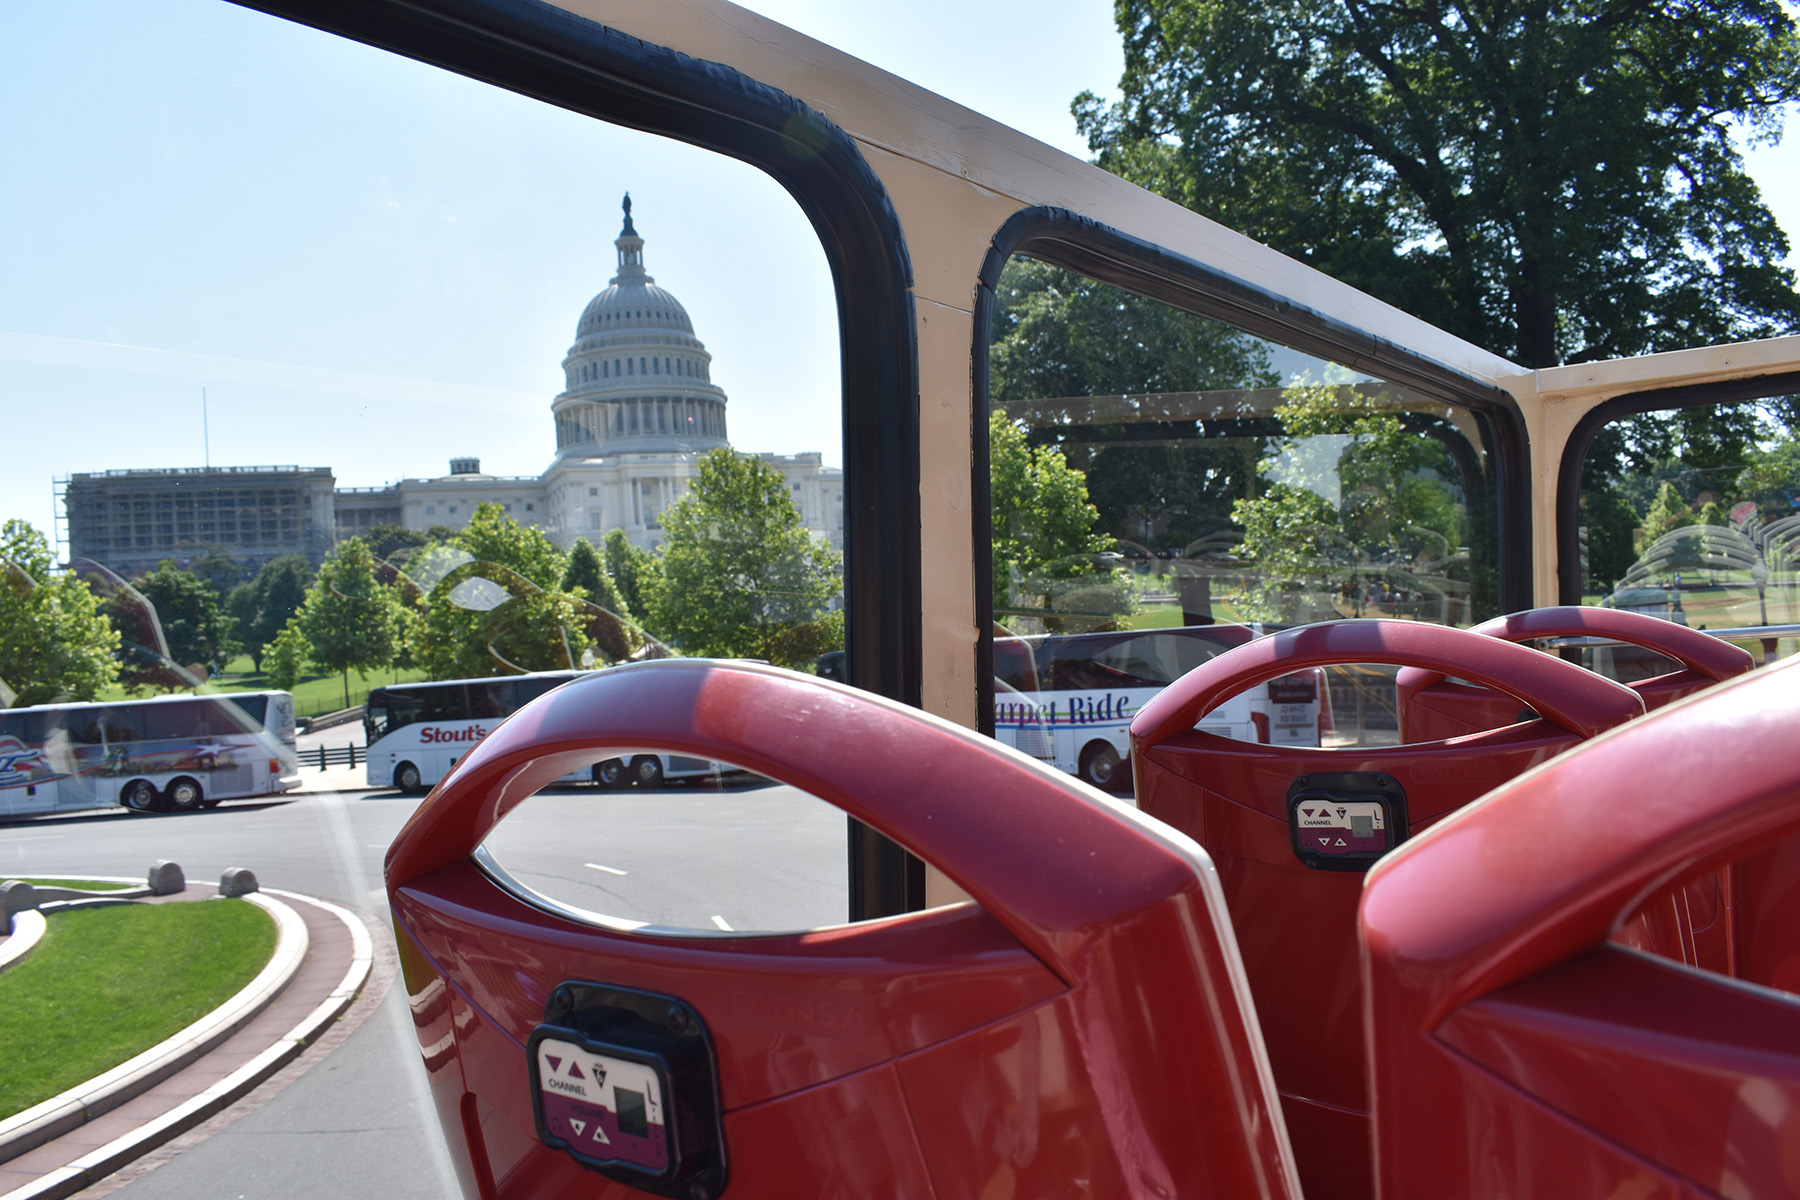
x,y
108,983
314,694
80,885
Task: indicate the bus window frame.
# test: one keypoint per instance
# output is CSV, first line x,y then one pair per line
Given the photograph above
x,y
566,60
1118,259
1588,427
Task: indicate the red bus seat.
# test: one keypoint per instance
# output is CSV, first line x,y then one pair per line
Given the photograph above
x,y
1084,1027
1296,919
1515,1049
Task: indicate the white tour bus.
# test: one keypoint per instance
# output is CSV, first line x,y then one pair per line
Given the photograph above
x,y
171,752
1068,699
415,732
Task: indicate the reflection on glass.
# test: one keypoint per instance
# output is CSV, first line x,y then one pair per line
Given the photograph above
x,y
680,845
1693,516
1155,468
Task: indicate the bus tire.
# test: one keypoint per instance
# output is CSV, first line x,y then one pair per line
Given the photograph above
x,y
611,774
184,794
408,779
646,771
1102,767
140,795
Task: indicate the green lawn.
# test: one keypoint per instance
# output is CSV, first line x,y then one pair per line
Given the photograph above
x,y
314,694
108,983
80,885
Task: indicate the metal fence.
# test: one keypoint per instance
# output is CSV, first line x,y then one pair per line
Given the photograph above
x,y
333,756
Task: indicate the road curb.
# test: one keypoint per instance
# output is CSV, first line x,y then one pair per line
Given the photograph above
x,y
27,931
99,1163
80,1104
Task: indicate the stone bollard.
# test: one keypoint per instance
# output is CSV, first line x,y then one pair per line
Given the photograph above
x,y
16,896
237,881
166,878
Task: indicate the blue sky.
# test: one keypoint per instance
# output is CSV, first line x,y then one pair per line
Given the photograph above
x,y
372,265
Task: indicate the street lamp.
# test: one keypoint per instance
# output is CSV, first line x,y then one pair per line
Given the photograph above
x,y
1759,575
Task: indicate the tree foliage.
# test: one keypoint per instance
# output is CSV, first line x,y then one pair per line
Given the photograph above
x,y
192,618
1058,334
633,570
1044,541
1352,489
501,609
349,619
55,642
262,607
1554,181
741,575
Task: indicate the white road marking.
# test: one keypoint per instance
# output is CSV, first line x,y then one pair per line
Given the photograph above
x,y
608,870
34,837
720,922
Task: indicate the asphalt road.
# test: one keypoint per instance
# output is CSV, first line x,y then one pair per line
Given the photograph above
x,y
359,1121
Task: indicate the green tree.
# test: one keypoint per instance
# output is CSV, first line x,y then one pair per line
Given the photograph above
x,y
287,656
634,572
1554,181
1667,513
1376,497
390,541
1044,541
192,618
221,571
502,610
741,575
1059,334
262,607
587,576
55,642
349,618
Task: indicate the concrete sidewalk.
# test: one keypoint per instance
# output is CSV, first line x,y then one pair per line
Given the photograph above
x,y
333,972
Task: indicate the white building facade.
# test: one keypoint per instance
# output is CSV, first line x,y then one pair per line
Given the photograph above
x,y
637,410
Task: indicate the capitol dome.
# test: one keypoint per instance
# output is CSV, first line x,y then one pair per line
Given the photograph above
x,y
636,379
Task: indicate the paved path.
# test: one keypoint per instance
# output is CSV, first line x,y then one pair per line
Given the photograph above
x,y
305,1007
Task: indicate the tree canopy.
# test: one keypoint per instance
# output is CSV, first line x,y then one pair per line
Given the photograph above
x,y
1554,181
262,606
192,617
1044,541
55,642
742,577
350,618
501,608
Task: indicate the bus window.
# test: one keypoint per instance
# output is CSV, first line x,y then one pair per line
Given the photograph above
x,y
1153,467
1690,515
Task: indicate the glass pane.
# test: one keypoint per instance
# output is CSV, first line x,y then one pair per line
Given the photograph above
x,y
1154,468
712,849
1693,516
367,337
1166,487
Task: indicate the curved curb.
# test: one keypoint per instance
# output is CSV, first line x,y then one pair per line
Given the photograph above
x,y
80,1104
97,1164
27,931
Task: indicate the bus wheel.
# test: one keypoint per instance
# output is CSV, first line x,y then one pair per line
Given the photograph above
x,y
140,795
184,794
611,774
646,771
407,778
1100,766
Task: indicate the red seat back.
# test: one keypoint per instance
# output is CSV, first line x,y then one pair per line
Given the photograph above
x,y
1084,1024
1515,1049
1297,924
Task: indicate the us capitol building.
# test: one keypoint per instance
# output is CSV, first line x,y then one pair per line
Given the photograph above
x,y
637,410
